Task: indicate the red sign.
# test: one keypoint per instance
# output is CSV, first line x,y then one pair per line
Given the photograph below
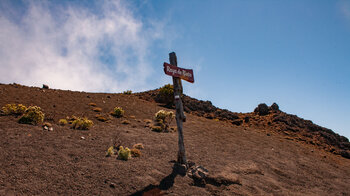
x,y
185,74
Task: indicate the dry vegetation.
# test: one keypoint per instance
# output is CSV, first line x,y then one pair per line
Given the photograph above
x,y
255,153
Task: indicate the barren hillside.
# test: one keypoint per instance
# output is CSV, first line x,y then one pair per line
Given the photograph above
x,y
245,154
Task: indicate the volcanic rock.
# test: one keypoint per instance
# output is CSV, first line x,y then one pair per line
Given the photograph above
x,y
262,109
274,107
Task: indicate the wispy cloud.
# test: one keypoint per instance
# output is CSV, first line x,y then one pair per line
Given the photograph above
x,y
345,9
73,47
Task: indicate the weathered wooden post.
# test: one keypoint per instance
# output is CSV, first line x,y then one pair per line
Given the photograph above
x,y
180,116
178,74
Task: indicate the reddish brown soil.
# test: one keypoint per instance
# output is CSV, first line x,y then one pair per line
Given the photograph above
x,y
60,162
270,119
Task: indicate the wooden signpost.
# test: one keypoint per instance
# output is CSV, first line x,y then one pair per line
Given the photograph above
x,y
179,73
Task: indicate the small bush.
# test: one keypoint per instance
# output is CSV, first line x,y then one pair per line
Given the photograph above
x,y
62,122
92,104
124,154
13,109
96,109
71,119
138,146
135,152
127,92
110,151
118,112
166,95
82,123
33,115
163,119
164,115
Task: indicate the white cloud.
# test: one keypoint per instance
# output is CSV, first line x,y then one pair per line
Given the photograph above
x,y
344,7
77,49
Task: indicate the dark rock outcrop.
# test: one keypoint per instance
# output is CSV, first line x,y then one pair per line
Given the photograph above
x,y
262,109
267,117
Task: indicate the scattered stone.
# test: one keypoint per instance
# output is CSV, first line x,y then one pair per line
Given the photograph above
x,y
198,172
148,121
199,175
209,116
125,122
135,152
262,109
157,128
82,137
45,86
112,185
138,146
47,126
102,118
246,119
108,96
345,154
237,122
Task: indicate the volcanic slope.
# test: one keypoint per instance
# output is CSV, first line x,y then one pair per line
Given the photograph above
x,y
66,161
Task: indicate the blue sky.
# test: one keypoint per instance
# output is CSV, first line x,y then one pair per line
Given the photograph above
x,y
294,53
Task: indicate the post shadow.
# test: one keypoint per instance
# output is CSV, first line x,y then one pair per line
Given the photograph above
x,y
165,184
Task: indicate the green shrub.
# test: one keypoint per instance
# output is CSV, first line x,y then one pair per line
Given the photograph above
x,y
13,109
118,112
62,122
110,151
163,119
164,115
33,115
166,95
127,92
71,119
124,154
82,123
